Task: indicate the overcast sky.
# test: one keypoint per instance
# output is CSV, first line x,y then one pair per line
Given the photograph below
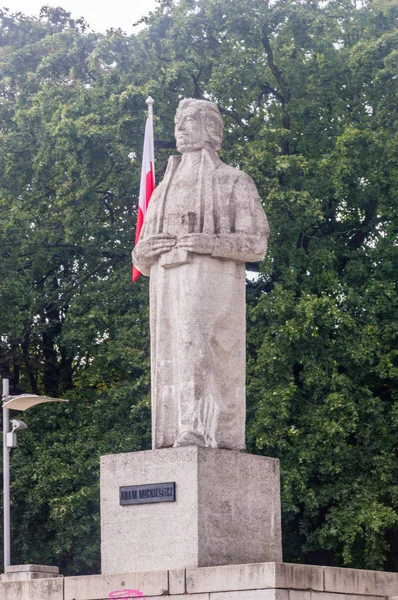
x,y
100,14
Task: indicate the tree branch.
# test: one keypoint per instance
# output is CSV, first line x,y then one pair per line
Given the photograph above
x,y
233,114
198,92
267,89
274,69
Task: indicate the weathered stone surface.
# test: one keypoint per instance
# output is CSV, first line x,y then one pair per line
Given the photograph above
x,y
250,595
177,581
204,221
29,572
336,596
299,577
357,597
227,510
235,582
300,595
43,589
35,568
149,536
254,576
230,578
239,518
326,596
27,576
188,597
97,587
356,581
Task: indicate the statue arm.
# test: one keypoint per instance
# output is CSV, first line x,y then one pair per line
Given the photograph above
x,y
239,246
143,265
149,248
249,241
140,261
151,245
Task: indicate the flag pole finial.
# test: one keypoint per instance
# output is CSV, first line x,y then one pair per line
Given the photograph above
x,y
150,102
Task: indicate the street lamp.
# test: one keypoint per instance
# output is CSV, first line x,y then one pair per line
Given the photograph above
x,y
21,402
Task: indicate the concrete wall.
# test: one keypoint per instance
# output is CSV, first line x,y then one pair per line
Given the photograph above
x,y
263,581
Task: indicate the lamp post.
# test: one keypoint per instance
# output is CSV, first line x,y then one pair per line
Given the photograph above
x,y
21,402
6,479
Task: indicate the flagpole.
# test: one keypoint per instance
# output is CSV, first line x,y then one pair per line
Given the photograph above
x,y
150,102
147,183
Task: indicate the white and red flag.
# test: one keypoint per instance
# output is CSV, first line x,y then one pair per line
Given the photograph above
x,y
147,184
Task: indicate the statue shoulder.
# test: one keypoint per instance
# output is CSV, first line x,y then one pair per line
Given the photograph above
x,y
156,194
236,177
172,164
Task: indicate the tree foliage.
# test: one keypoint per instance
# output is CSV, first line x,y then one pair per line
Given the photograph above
x,y
309,94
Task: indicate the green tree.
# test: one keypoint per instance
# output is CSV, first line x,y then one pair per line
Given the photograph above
x,y
69,323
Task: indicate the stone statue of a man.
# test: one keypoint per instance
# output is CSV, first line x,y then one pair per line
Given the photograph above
x,y
203,222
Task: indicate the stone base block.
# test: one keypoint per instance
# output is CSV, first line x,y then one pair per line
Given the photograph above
x,y
227,510
39,589
28,572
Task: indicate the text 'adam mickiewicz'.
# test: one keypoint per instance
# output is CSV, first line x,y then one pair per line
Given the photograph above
x,y
150,493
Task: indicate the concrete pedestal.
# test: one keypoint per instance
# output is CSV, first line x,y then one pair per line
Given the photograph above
x,y
227,510
28,572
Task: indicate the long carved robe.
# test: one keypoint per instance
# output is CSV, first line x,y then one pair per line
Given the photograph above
x,y
198,308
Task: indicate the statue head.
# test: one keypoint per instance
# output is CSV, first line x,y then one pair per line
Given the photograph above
x,y
198,123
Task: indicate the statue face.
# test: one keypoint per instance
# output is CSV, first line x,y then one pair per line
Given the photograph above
x,y
190,132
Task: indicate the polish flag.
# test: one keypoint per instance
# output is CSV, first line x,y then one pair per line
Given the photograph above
x,y
147,177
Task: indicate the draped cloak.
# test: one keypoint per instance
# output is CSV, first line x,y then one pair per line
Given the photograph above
x,y
198,308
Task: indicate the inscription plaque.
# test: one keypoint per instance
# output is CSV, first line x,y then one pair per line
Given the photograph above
x,y
149,493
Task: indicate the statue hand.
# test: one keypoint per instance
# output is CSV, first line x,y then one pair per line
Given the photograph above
x,y
155,245
201,243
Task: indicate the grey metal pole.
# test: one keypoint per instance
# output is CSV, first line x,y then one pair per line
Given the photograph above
x,y
6,480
